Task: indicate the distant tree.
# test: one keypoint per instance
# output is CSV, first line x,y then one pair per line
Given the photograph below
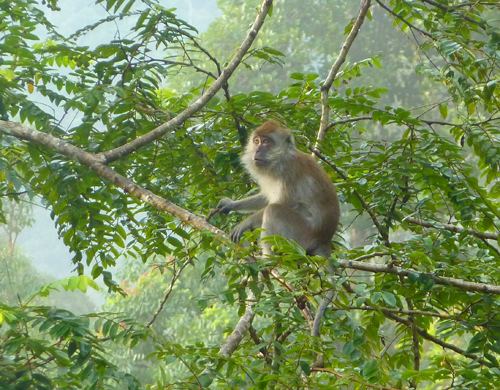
x,y
191,314
18,280
413,304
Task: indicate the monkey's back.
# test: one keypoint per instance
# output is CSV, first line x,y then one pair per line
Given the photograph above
x,y
309,190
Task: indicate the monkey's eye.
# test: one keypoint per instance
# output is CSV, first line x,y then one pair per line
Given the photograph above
x,y
265,141
256,140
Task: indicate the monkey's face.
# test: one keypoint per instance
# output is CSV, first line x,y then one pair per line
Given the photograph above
x,y
269,150
261,150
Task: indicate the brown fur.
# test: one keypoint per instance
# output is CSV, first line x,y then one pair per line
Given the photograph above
x,y
268,128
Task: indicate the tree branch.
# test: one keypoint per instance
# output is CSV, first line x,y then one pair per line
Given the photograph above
x,y
441,280
348,120
403,20
318,319
397,311
452,228
430,337
427,122
325,89
321,311
167,294
96,163
117,153
241,328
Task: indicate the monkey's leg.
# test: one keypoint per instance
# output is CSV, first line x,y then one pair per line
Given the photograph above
x,y
283,221
324,250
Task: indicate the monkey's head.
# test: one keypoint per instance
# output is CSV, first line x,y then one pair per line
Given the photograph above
x,y
268,148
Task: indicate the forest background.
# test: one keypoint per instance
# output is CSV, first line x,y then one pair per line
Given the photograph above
x,y
127,124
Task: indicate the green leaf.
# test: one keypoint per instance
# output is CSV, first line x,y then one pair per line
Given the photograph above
x,y
202,304
370,369
377,62
206,379
272,51
443,109
471,108
297,76
170,359
389,298
304,365
175,242
271,8
376,297
14,179
348,348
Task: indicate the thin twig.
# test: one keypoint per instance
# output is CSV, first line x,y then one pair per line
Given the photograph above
x,y
432,338
165,298
325,89
403,20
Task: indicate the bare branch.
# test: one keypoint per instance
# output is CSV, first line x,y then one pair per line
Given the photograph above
x,y
325,89
452,228
139,142
328,298
321,311
13,193
441,280
234,339
372,255
416,342
427,122
472,4
175,277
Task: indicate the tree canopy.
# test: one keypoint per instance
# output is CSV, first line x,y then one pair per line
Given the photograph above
x,y
132,142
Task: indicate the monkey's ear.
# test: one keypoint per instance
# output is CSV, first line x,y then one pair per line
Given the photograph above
x,y
290,140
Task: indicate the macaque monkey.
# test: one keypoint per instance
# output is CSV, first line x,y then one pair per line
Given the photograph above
x,y
297,199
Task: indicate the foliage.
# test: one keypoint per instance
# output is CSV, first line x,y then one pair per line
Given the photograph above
x,y
414,300
194,313
47,348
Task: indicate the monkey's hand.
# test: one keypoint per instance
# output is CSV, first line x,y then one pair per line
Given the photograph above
x,y
250,224
239,229
226,205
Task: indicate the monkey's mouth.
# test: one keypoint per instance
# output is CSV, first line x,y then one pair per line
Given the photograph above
x,y
258,161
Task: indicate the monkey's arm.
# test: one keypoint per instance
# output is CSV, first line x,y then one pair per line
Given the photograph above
x,y
252,203
253,222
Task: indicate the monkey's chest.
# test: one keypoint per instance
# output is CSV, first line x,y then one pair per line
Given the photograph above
x,y
273,190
